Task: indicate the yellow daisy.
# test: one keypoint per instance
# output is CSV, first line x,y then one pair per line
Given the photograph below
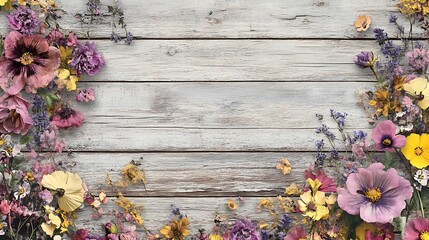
x,y
416,150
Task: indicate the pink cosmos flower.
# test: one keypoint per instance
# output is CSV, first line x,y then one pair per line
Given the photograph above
x,y
66,117
385,138
14,115
296,233
417,229
375,194
27,60
328,185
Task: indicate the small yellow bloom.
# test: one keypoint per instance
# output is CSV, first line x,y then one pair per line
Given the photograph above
x,y
416,150
292,190
133,174
176,230
3,2
29,176
313,205
53,223
22,2
419,88
284,165
314,184
263,225
231,205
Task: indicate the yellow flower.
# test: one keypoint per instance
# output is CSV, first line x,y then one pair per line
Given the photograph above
x,y
3,2
215,237
29,176
381,101
68,187
416,150
331,200
314,184
53,223
176,230
22,2
65,54
292,189
133,174
231,205
284,165
418,88
65,77
313,205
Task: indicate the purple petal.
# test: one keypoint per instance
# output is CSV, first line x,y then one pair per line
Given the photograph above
x,y
349,202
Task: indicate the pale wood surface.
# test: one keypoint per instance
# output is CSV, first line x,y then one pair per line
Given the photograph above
x,y
213,93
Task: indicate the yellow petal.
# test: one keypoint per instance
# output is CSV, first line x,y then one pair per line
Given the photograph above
x,y
48,229
319,198
55,220
321,212
63,73
424,104
416,86
215,237
306,197
71,83
412,142
22,2
165,230
331,199
314,184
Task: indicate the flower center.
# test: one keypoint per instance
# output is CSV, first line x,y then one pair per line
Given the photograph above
x,y
21,191
13,116
373,194
387,142
424,235
26,58
311,206
60,192
418,151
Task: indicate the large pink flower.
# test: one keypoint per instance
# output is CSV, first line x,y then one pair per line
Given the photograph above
x,y
27,60
375,194
14,115
417,229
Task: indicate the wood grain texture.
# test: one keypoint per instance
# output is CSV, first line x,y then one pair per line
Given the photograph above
x,y
240,18
212,116
195,174
200,211
238,60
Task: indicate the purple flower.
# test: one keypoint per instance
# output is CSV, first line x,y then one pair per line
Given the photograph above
x,y
86,59
385,138
365,59
23,20
375,194
418,59
244,230
417,229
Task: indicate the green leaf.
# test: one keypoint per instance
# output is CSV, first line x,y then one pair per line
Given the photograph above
x,y
25,139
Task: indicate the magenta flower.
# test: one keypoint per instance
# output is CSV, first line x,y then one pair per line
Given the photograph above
x,y
296,233
328,185
14,115
66,117
375,194
27,60
385,138
417,229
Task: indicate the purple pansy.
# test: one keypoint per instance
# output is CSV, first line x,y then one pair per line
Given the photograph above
x,y
375,194
385,138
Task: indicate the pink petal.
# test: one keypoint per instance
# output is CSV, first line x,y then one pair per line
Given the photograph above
x,y
10,43
349,202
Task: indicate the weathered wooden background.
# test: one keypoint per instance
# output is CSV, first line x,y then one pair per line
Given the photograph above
x,y
212,93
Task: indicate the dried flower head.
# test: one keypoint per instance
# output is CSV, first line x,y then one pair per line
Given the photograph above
x,y
362,23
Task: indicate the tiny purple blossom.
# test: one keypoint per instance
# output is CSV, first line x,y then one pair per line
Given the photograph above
x,y
244,230
385,138
374,194
418,59
365,59
23,20
86,59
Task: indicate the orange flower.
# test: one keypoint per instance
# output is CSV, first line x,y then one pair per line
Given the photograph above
x,y
362,23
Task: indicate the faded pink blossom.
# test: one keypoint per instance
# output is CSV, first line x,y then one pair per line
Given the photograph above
x,y
20,210
72,40
385,138
415,229
67,117
4,207
28,60
128,232
14,114
296,233
86,95
46,196
328,184
407,101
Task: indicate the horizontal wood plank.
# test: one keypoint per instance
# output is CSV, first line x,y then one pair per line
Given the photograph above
x,y
239,18
195,174
240,60
212,116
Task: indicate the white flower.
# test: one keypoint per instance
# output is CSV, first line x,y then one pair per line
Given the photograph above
x,y
23,190
3,226
422,176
